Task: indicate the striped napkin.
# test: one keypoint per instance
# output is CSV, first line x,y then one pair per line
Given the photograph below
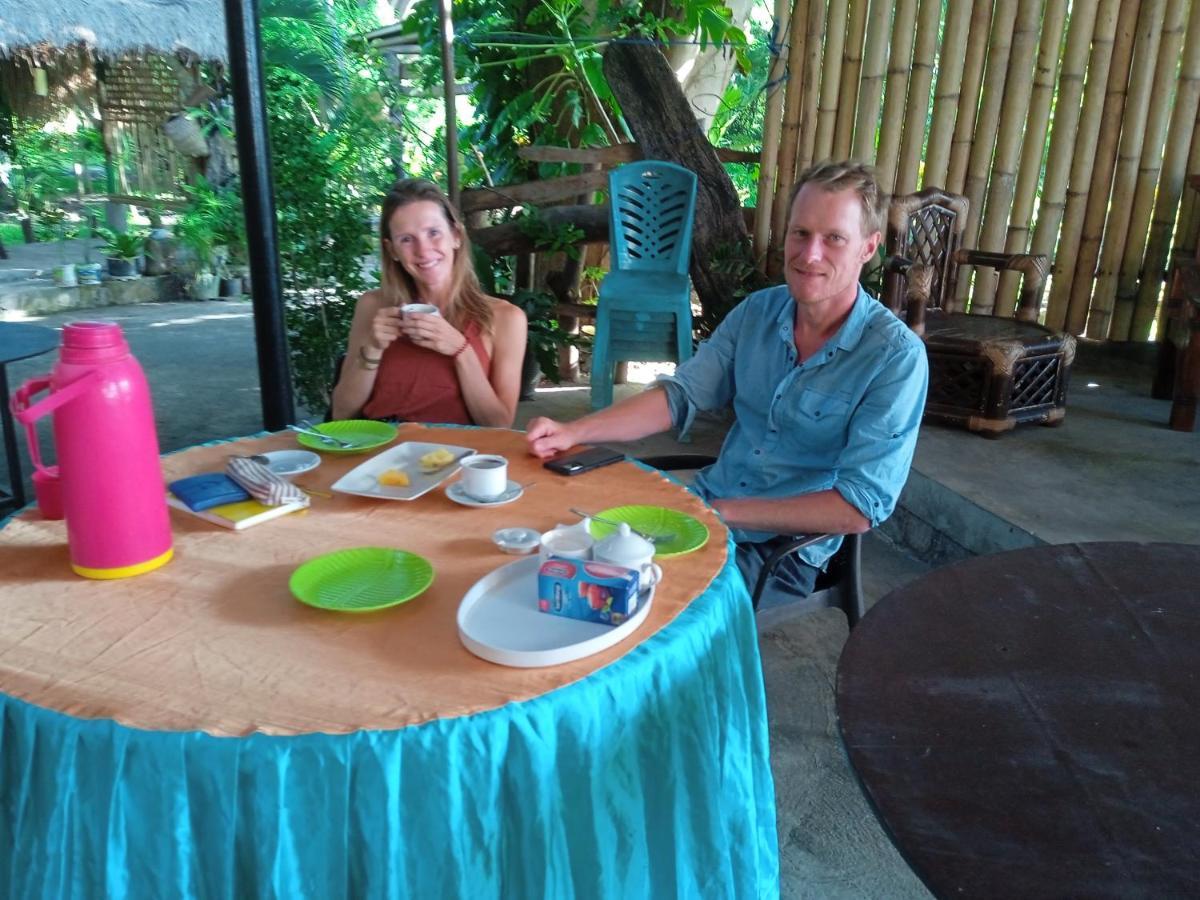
x,y
262,484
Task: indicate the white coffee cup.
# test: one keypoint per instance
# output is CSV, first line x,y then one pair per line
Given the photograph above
x,y
484,476
426,308
565,542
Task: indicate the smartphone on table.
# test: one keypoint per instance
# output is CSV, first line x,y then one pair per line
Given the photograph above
x,y
584,460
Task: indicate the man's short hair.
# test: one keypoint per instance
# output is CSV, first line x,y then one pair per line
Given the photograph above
x,y
847,175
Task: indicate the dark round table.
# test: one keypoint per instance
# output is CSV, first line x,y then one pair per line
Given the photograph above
x,y
1027,724
17,341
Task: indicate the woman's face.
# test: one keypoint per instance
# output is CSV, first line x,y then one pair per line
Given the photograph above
x,y
424,242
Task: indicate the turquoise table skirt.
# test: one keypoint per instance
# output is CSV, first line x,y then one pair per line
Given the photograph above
x,y
648,779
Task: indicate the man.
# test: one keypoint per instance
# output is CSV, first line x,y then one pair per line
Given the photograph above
x,y
827,388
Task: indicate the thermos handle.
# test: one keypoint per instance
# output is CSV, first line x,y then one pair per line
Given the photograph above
x,y
28,415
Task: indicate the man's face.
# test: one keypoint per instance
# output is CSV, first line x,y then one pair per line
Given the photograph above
x,y
825,246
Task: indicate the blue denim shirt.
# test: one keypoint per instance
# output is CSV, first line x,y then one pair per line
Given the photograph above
x,y
846,418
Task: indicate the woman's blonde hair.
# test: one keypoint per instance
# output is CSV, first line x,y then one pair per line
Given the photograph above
x,y
468,302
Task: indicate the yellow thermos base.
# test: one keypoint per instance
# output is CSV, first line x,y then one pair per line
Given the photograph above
x,y
125,571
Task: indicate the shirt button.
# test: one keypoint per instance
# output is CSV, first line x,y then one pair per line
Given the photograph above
x,y
758,453
741,484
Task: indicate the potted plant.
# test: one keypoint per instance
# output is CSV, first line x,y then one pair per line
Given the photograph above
x,y
193,231
64,273
123,251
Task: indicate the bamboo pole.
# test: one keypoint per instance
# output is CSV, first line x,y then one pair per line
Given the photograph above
x,y
1099,172
789,138
852,58
951,57
1148,171
968,99
1015,109
980,161
831,75
1180,134
772,126
896,93
1132,126
446,28
1084,153
1034,144
1064,130
870,92
812,83
929,16
1187,233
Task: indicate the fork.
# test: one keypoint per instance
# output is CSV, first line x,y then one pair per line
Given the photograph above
x,y
652,538
321,436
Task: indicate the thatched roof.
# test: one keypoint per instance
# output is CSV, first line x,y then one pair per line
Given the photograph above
x,y
112,28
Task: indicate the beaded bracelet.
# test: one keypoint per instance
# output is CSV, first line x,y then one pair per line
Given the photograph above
x,y
367,362
459,351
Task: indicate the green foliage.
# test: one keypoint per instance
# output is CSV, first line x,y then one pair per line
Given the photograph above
x,y
537,69
550,237
331,150
42,170
545,334
213,218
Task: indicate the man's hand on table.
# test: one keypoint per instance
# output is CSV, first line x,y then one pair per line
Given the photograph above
x,y
547,437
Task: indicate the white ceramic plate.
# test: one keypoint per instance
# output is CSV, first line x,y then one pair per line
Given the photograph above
x,y
363,480
458,494
287,463
498,620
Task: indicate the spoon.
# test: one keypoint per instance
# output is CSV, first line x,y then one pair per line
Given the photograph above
x,y
652,538
327,438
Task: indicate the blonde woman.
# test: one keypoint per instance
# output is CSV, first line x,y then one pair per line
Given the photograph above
x,y
459,365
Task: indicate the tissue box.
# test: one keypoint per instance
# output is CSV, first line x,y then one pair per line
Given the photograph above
x,y
591,591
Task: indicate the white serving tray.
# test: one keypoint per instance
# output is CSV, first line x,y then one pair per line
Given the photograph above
x,y
498,620
363,479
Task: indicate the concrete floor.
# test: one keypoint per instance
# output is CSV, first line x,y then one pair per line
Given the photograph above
x,y
1111,471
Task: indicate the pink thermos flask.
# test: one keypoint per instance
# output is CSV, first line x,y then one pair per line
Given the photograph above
x,y
109,478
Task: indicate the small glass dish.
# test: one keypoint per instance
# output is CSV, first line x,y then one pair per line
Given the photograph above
x,y
517,541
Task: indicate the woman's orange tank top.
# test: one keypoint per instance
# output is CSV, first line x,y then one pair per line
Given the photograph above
x,y
415,384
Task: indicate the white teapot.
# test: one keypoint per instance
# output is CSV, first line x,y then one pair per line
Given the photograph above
x,y
624,548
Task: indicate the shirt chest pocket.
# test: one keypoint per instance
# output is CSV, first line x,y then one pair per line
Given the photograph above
x,y
816,420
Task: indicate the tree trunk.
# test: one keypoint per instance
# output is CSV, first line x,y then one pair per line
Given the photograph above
x,y
666,128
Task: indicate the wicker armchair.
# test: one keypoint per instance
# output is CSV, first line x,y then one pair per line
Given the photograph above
x,y
986,373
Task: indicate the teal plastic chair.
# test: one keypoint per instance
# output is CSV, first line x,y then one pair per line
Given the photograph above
x,y
644,311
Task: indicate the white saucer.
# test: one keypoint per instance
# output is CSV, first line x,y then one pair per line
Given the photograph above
x,y
287,463
456,493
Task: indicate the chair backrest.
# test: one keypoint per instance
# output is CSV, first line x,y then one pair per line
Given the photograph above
x,y
651,205
926,229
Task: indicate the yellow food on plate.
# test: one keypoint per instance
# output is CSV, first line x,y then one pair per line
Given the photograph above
x,y
436,459
393,478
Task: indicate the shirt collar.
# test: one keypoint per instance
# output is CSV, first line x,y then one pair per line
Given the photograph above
x,y
846,337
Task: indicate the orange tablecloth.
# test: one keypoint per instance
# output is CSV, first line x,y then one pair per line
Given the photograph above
x,y
214,642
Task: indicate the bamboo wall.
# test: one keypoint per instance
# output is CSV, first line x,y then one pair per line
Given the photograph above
x,y
1069,126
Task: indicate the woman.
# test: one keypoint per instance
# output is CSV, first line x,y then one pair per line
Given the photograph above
x,y
461,364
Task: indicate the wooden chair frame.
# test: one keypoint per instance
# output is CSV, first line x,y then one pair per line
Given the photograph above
x,y
987,373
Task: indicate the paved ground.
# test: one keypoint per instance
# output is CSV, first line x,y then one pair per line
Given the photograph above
x,y
1112,470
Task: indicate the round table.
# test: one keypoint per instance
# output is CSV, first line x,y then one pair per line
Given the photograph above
x,y
17,341
1025,724
196,731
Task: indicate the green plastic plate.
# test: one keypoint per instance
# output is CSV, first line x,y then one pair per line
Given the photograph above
x,y
365,434
362,579
677,533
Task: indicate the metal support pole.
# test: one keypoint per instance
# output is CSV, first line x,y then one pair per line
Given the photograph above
x,y
254,161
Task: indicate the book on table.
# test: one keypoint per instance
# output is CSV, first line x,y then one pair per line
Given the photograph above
x,y
238,515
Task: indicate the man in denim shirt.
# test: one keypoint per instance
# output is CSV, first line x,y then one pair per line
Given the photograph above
x,y
827,388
